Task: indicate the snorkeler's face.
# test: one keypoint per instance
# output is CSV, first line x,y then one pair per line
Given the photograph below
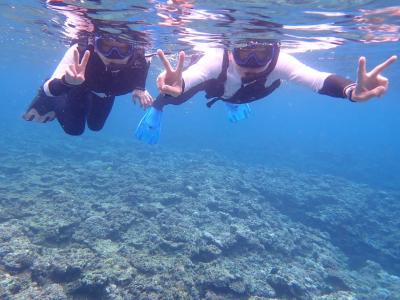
x,y
255,55
113,51
113,48
244,71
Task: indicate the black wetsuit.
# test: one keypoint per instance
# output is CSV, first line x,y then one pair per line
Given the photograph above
x,y
92,101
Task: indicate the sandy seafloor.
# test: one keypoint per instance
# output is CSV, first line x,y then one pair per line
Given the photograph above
x,y
120,220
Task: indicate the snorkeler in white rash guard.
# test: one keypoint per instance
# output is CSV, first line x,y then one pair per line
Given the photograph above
x,y
250,73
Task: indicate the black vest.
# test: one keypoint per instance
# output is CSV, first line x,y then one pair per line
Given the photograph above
x,y
102,79
252,89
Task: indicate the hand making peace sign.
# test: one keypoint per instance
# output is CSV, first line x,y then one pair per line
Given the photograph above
x,y
75,74
170,81
371,84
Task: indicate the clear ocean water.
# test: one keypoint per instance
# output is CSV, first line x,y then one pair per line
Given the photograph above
x,y
324,167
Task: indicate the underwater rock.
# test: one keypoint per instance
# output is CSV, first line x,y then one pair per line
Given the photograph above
x,y
94,227
206,253
217,279
62,266
171,200
147,265
11,285
122,233
239,287
241,239
375,282
287,288
54,234
50,292
335,205
17,254
209,237
20,287
10,230
149,210
17,261
169,246
176,233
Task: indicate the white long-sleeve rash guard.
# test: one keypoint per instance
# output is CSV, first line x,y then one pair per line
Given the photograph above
x,y
62,67
287,68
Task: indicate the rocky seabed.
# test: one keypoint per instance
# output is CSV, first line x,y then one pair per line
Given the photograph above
x,y
127,221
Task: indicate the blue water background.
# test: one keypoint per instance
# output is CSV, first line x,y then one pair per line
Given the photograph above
x,y
293,128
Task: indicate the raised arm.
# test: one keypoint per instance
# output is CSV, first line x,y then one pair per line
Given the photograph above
x,y
291,69
368,85
170,81
174,82
69,72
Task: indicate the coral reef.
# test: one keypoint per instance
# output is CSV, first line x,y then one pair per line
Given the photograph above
x,y
119,220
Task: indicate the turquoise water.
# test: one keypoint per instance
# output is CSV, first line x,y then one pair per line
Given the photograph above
x,y
300,201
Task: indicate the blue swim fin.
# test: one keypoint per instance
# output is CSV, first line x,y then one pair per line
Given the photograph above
x,y
237,112
149,127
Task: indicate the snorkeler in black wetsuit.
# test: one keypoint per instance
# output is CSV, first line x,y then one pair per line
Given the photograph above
x,y
83,88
